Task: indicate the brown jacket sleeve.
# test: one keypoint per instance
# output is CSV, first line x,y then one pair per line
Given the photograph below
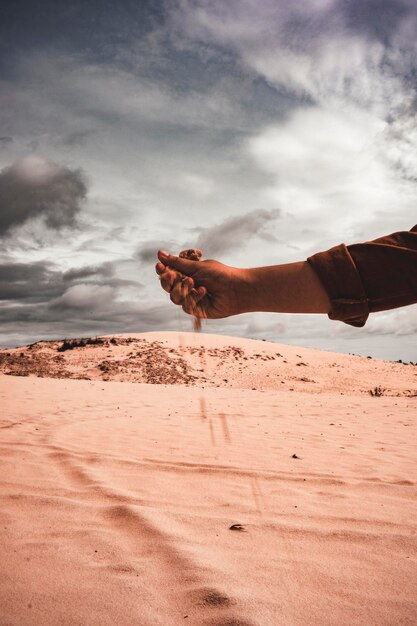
x,y
372,276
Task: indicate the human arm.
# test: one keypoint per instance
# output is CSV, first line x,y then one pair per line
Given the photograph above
x,y
346,282
215,290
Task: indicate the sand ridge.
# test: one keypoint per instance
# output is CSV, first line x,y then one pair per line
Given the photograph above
x,y
176,358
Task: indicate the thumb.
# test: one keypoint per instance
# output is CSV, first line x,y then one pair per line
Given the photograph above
x,y
185,266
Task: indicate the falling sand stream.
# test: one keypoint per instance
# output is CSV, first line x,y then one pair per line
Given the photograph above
x,y
194,254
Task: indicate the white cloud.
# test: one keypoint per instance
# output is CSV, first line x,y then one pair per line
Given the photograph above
x,y
195,185
86,296
309,48
235,232
398,322
345,157
331,163
96,94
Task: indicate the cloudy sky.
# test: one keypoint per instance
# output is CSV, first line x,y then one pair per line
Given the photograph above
x,y
262,130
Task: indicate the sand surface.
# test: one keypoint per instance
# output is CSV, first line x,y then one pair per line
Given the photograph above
x,y
118,491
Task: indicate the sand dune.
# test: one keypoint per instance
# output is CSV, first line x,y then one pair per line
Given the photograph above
x,y
210,361
208,481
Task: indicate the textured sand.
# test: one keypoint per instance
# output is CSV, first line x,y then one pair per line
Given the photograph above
x,y
212,361
117,497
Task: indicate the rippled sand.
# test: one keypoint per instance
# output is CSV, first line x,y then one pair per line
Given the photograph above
x,y
117,498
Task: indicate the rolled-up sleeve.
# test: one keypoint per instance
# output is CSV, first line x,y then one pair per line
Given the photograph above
x,y
366,277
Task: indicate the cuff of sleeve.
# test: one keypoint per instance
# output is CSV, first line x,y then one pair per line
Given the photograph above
x,y
340,278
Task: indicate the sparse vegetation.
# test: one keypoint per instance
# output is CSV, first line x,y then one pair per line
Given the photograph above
x,y
377,391
30,346
70,344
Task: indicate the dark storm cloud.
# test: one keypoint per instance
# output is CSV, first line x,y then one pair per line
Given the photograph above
x,y
80,313
105,269
230,234
233,232
35,187
60,322
31,282
77,137
376,19
41,282
147,251
5,141
34,323
373,19
38,300
89,27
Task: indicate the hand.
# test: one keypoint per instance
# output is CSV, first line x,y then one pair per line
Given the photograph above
x,y
205,289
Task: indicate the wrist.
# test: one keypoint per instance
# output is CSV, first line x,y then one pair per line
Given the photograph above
x,y
286,288
248,297
274,288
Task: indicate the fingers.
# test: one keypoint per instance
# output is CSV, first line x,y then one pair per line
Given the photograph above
x,y
180,287
168,278
200,293
192,303
160,268
185,266
181,290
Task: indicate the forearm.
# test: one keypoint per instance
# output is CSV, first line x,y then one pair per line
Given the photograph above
x,y
287,288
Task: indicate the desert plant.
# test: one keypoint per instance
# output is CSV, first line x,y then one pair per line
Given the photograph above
x,y
70,344
377,391
94,341
66,345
